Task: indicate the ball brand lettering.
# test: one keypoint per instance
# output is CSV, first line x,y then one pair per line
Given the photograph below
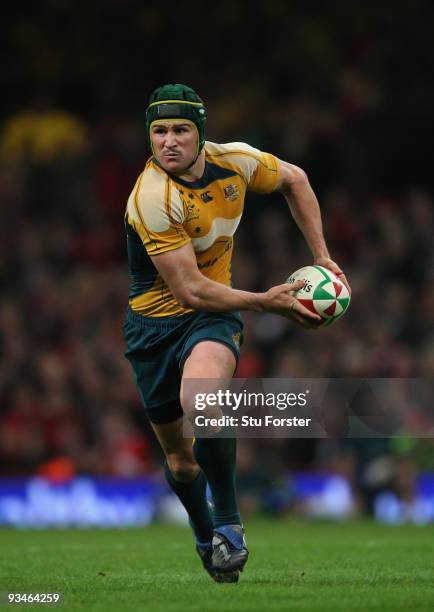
x,y
307,287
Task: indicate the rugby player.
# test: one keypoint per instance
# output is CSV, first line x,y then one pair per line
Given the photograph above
x,y
183,318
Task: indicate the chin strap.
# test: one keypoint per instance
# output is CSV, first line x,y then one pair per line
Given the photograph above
x,y
193,162
155,160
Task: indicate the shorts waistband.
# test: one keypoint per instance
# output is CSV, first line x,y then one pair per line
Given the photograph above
x,y
157,322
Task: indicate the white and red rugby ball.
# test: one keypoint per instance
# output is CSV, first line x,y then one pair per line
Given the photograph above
x,y
322,293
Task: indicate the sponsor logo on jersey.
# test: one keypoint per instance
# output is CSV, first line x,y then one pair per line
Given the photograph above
x,y
205,197
211,262
231,192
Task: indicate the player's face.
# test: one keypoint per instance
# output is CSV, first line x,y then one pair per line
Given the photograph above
x,y
174,144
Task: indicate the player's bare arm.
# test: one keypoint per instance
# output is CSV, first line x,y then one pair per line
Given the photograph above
x,y
303,204
194,290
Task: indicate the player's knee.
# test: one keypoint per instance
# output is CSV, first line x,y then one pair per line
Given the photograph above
x,y
183,469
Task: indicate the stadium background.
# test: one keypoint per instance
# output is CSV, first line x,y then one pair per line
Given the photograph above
x,y
347,93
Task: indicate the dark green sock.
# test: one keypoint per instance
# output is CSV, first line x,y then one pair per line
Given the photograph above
x,y
193,498
217,458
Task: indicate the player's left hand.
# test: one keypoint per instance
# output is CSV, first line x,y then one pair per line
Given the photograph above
x,y
328,263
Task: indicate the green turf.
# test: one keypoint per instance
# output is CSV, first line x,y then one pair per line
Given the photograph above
x,y
293,565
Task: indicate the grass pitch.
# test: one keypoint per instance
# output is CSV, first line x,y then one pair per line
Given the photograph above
x,y
293,565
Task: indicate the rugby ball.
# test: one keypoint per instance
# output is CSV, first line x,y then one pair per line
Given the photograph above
x,y
322,293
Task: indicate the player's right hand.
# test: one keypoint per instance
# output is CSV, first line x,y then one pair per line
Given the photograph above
x,y
281,300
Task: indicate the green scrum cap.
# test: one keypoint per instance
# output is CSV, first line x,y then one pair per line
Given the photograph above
x,y
177,102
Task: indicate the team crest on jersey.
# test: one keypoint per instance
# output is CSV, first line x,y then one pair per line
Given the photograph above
x,y
205,197
231,192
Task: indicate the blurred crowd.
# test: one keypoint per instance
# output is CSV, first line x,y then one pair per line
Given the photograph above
x,y
67,399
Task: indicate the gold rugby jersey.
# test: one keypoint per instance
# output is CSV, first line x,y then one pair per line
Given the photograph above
x,y
165,212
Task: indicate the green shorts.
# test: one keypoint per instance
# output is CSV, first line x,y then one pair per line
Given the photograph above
x,y
158,347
